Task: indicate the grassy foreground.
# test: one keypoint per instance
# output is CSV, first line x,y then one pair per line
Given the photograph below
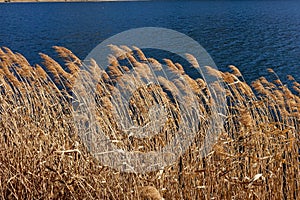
x,y
42,157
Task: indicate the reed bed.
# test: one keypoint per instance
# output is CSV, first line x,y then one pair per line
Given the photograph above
x,y
256,156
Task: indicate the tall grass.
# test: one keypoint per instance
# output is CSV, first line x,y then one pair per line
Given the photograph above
x,y
42,157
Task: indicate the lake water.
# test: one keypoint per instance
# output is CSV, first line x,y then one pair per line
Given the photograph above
x,y
253,35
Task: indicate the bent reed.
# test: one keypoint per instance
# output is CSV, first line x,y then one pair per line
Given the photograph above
x,y
256,156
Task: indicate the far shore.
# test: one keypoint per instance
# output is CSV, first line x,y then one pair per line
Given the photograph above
x,y
24,1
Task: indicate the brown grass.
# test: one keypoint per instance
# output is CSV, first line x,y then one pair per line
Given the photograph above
x,y
42,156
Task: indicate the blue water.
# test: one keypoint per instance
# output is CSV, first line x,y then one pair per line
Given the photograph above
x,y
253,35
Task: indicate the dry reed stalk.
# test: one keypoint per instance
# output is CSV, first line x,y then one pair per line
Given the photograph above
x,y
67,55
118,52
171,65
155,64
8,74
192,60
126,48
113,61
41,73
214,72
235,70
141,55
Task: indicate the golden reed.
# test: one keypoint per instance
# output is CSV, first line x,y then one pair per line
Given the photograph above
x,y
42,156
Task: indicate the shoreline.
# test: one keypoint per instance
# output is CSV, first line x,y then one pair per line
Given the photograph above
x,y
55,1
